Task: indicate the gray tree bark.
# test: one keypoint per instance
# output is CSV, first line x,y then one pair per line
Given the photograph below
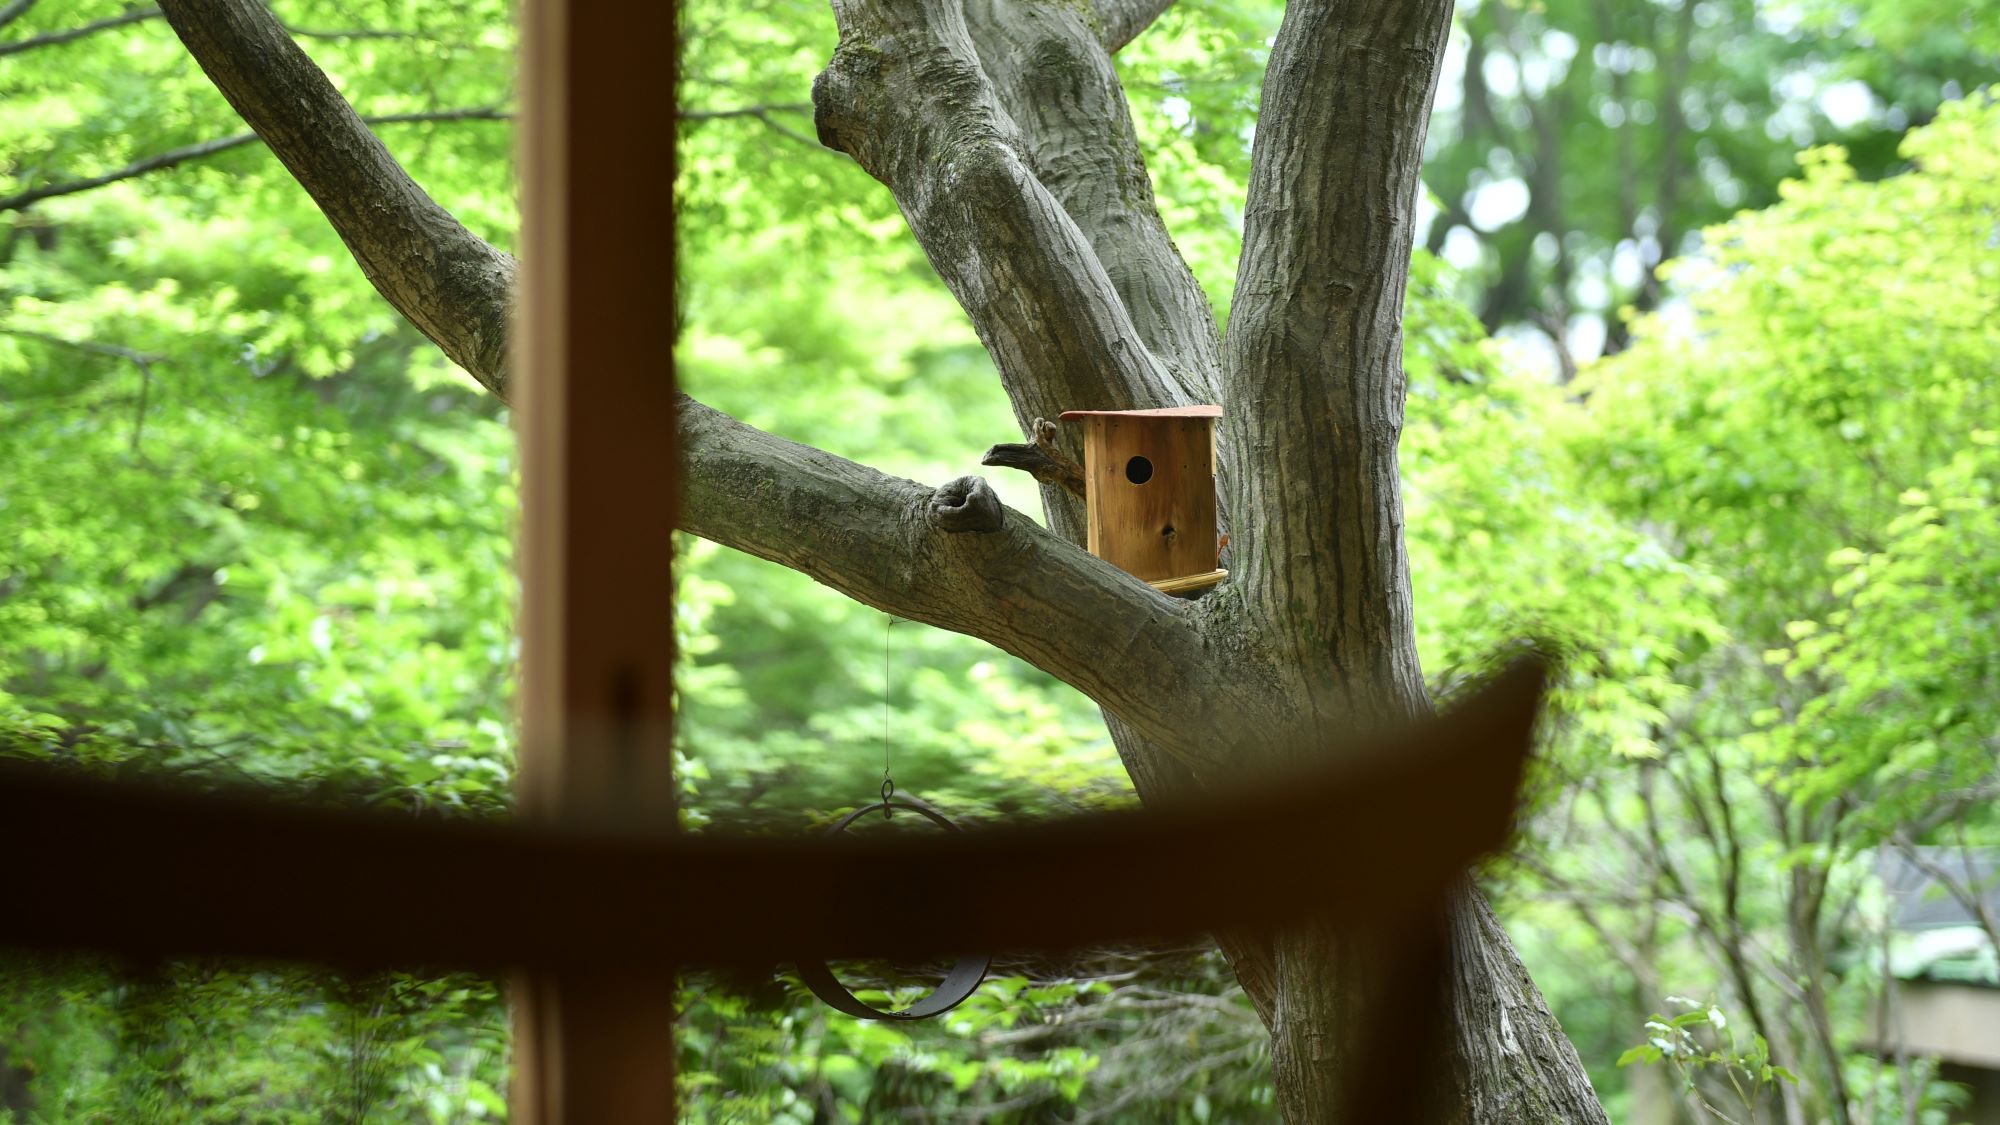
x,y
1002,131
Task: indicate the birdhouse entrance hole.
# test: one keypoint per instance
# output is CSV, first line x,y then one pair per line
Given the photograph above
x,y
1138,470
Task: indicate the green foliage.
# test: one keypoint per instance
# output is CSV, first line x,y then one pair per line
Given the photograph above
x,y
313,570
1916,47
1505,542
1679,1041
254,511
1182,1047
197,1042
252,531
741,1062
1858,541
1806,432
1193,81
1579,144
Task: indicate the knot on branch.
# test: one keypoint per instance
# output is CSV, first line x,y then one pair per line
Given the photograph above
x,y
826,116
967,504
1039,459
841,91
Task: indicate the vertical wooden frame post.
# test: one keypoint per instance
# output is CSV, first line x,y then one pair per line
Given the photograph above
x,y
599,488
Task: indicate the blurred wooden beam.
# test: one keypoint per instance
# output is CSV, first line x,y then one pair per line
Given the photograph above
x,y
1382,830
599,490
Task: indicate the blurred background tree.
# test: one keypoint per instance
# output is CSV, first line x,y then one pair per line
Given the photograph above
x,y
1587,142
256,529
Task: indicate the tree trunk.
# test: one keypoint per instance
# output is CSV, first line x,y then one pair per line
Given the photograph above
x,y
1002,131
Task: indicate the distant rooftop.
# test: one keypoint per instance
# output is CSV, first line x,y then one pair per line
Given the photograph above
x,y
1938,936
1920,900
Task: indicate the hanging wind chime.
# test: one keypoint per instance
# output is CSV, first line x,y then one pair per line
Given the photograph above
x,y
966,972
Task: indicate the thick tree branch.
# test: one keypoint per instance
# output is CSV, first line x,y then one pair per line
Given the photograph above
x,y
905,95
953,557
1313,394
174,157
449,282
1120,21
1055,80
1314,348
1050,67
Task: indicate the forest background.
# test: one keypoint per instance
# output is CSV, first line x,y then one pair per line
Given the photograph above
x,y
1700,342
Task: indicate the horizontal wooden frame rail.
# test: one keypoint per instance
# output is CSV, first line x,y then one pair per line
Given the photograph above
x,y
133,870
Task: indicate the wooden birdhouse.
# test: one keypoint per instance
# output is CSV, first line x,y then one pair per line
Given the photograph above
x,y
1149,483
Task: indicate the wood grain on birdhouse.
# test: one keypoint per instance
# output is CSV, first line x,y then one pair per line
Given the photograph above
x,y
1149,479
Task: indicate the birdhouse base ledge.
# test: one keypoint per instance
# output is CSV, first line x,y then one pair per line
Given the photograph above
x,y
1188,584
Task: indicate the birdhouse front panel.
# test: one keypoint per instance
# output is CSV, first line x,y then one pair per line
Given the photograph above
x,y
1149,479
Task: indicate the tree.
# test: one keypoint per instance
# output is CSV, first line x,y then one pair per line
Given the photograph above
x,y
1624,127
1003,134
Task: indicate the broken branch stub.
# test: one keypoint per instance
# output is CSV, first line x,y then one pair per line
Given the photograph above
x,y
1039,459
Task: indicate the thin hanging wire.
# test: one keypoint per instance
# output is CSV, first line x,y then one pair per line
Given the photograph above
x,y
888,785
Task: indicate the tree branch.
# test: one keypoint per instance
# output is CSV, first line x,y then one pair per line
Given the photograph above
x,y
1120,21
15,10
742,111
174,157
1055,80
765,115
905,95
352,33
449,282
142,362
1062,112
953,557
69,35
1040,459
11,12
1316,327
1050,68
111,351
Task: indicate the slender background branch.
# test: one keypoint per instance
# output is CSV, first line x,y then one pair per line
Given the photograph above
x,y
71,35
11,12
178,156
